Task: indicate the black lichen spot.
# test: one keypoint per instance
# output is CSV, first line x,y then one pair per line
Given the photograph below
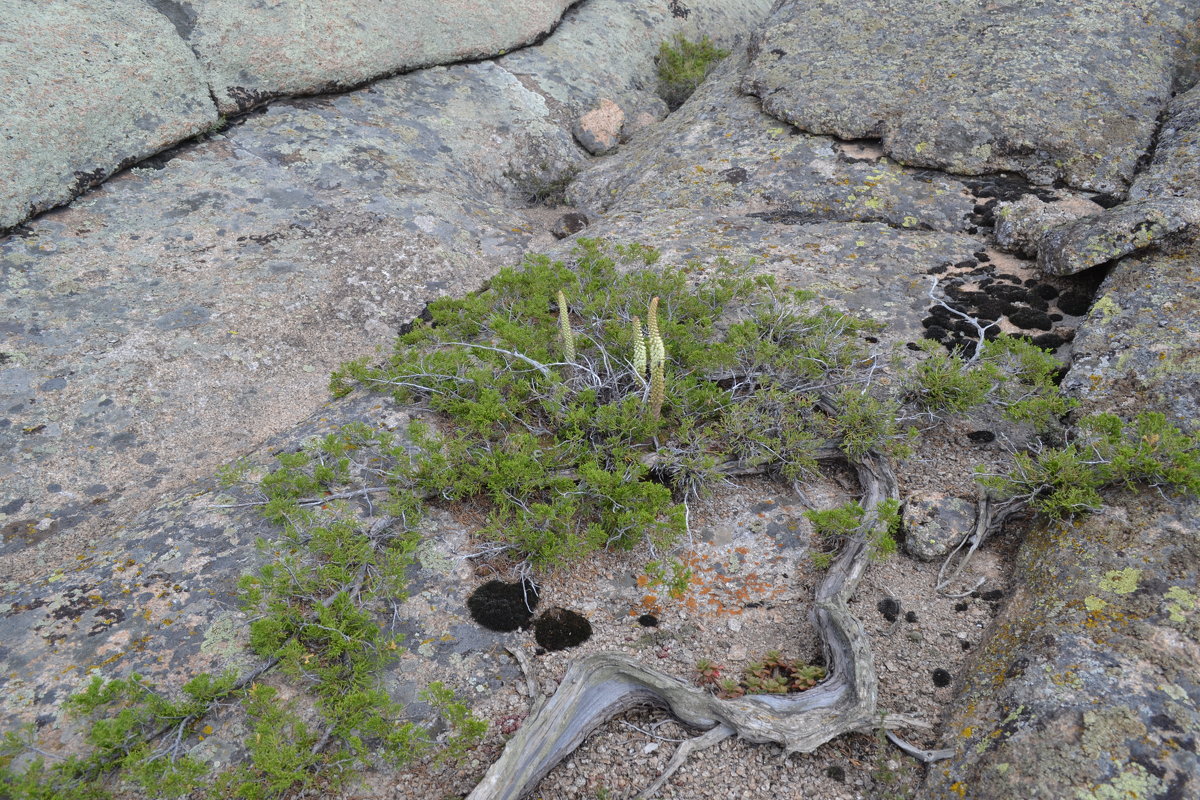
x,y
989,309
965,264
1074,303
1049,341
560,628
735,175
960,606
941,677
1045,291
785,217
503,607
937,333
1163,722
648,621
1030,319
981,256
992,596
890,608
836,772
105,619
1017,668
938,270
981,437
911,616
965,645
1007,293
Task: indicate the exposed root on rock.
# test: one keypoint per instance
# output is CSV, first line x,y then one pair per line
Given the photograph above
x,y
598,687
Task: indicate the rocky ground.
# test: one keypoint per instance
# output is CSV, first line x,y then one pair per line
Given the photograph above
x,y
1034,167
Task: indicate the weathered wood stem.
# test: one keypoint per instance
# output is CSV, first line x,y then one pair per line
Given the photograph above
x,y
598,687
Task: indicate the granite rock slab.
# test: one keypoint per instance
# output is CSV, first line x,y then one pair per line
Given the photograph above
x,y
1115,232
1070,93
87,89
177,315
196,304
1087,685
160,598
1174,169
252,52
1140,345
720,150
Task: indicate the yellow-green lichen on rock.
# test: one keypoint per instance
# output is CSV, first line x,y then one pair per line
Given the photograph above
x,y
1121,581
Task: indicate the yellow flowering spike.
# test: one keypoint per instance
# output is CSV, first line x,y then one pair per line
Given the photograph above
x,y
564,327
658,388
657,350
639,348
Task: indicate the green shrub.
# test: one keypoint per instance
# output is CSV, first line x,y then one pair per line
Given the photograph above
x,y
1010,373
682,66
580,429
1104,451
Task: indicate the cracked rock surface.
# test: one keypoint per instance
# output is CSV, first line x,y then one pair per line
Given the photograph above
x,y
1053,92
189,310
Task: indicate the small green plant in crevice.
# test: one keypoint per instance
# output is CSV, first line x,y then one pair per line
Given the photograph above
x,y
846,520
771,674
683,65
1102,451
543,186
465,730
1009,373
580,430
675,575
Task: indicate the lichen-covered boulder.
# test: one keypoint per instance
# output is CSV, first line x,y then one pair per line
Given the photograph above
x,y
1087,686
1021,223
1113,233
1174,170
252,52
85,90
1140,345
1051,91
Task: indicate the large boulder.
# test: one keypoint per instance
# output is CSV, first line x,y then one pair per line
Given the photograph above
x,y
1056,93
1107,236
1087,686
252,52
87,89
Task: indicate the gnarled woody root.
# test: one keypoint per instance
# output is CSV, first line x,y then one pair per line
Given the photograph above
x,y
598,687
